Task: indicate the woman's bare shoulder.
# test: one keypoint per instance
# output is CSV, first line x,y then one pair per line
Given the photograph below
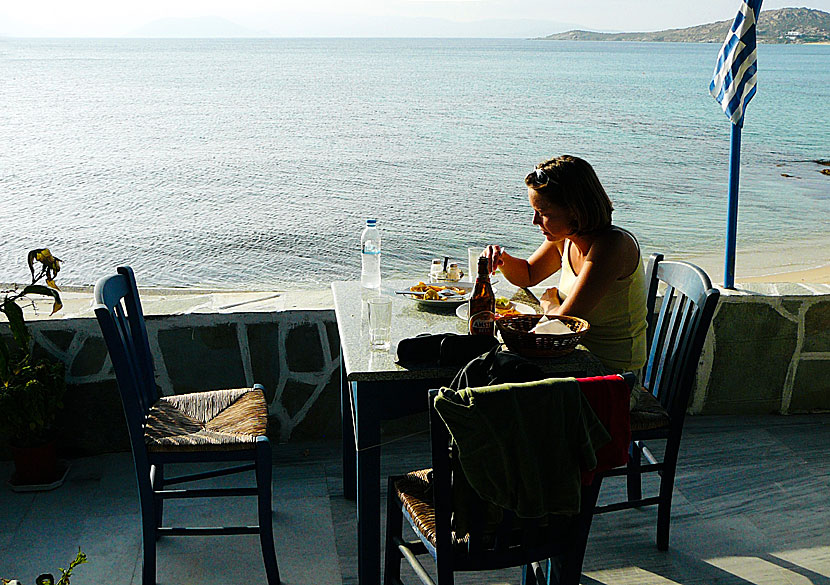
x,y
618,238
618,246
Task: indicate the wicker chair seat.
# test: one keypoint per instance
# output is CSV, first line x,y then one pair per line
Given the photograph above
x,y
219,420
646,411
415,492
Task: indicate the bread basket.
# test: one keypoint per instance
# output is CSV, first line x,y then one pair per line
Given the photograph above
x,y
515,334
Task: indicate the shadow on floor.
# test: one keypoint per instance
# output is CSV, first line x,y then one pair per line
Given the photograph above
x,y
751,506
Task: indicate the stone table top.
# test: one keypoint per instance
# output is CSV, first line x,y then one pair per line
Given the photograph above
x,y
409,319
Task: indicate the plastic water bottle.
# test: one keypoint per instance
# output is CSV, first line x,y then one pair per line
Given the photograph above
x,y
370,255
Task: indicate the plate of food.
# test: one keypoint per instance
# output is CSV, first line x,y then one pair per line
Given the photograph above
x,y
504,308
438,294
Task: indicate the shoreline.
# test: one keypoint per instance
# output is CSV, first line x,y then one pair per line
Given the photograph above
x,y
819,275
173,301
806,260
814,273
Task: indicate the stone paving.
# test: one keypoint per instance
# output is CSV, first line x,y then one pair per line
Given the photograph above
x,y
751,506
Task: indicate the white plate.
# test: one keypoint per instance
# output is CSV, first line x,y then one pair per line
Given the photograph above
x,y
463,311
448,303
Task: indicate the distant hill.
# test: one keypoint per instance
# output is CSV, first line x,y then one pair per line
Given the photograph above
x,y
785,25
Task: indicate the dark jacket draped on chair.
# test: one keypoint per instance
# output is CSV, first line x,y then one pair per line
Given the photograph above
x,y
503,431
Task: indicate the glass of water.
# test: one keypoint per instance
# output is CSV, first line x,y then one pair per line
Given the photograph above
x,y
472,263
380,322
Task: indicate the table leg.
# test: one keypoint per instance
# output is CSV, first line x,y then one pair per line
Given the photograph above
x,y
347,425
367,431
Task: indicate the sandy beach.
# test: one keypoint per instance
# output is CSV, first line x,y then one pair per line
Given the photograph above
x,y
820,275
806,260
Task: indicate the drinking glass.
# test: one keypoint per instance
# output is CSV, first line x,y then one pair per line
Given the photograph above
x,y
380,322
472,263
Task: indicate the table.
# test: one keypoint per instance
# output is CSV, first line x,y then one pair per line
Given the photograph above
x,y
374,388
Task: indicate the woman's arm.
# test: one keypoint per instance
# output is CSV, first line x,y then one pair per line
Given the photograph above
x,y
611,257
546,260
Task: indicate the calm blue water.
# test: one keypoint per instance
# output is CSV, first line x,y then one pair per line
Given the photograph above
x,y
253,163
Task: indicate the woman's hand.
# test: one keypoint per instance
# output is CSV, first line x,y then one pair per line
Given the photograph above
x,y
550,300
494,257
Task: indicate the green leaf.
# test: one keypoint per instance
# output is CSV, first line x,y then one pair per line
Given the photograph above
x,y
16,323
39,289
30,259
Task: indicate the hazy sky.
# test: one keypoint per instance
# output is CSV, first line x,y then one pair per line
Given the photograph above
x,y
345,17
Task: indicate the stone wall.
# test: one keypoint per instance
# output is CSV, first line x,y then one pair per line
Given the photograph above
x,y
768,351
295,355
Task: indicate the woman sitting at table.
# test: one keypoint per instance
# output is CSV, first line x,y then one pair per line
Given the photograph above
x,y
602,279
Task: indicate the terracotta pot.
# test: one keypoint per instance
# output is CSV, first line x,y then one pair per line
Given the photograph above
x,y
36,465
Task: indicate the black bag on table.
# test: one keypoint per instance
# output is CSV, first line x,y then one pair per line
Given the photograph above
x,y
443,349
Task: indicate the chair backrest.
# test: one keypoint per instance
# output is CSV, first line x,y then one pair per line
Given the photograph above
x,y
676,334
118,309
512,541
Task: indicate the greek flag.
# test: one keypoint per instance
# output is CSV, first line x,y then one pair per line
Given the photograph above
x,y
733,83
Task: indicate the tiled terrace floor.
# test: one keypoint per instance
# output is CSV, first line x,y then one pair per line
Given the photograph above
x,y
751,506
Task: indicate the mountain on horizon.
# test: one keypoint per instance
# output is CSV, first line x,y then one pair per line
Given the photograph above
x,y
783,26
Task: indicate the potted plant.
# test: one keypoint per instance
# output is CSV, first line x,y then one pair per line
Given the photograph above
x,y
31,389
48,579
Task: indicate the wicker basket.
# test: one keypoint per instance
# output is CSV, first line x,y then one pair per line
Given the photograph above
x,y
514,332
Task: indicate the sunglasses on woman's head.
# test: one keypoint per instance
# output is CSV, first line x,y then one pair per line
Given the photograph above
x,y
537,178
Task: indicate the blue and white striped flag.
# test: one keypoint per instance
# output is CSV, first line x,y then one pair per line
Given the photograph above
x,y
733,83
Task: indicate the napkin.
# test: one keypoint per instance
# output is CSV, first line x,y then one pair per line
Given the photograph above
x,y
550,327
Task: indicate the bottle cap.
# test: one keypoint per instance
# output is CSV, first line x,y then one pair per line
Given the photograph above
x,y
371,222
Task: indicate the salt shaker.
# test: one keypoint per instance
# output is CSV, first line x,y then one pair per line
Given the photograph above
x,y
436,271
454,272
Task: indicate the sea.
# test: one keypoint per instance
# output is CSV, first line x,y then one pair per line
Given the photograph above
x,y
253,163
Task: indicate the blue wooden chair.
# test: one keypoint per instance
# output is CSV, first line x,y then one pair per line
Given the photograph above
x,y
675,342
548,549
216,426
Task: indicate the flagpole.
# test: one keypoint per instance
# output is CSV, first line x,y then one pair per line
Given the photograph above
x,y
732,212
733,85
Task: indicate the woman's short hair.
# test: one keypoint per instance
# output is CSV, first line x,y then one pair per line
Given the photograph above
x,y
570,182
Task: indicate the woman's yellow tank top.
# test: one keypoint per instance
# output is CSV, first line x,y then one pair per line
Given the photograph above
x,y
618,323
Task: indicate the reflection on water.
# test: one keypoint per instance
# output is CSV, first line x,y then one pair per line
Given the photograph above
x,y
253,164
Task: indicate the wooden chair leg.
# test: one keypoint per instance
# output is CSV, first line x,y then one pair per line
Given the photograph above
x,y
149,537
394,528
553,570
666,490
149,531
444,570
634,476
571,567
266,529
533,574
157,482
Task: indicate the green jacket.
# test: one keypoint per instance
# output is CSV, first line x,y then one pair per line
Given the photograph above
x,y
523,446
